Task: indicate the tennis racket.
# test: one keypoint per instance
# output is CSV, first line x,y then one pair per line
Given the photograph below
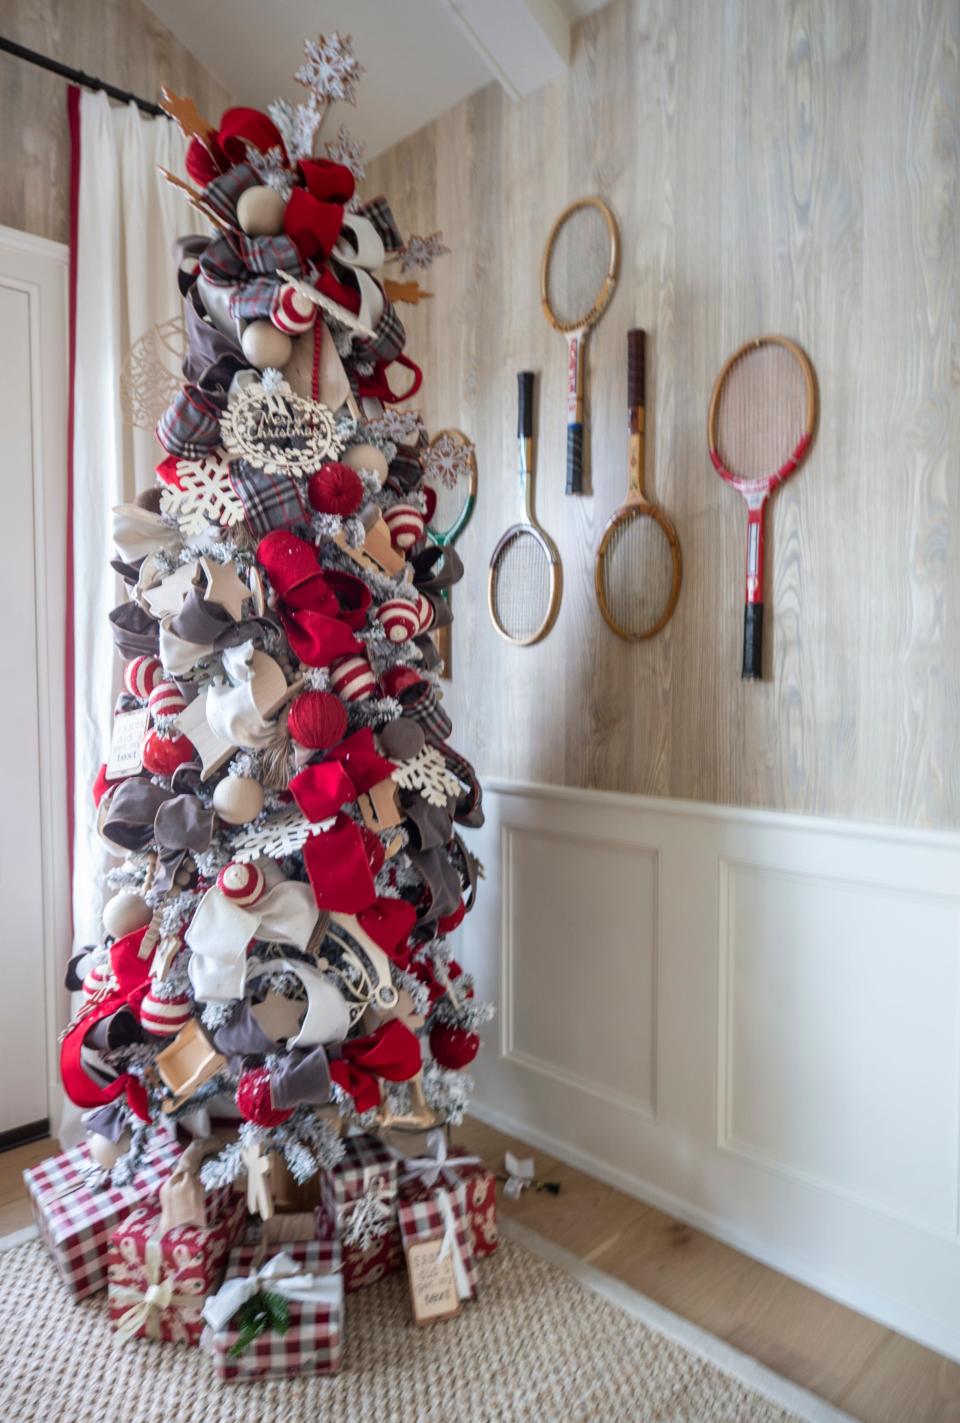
x,y
450,470
526,577
760,427
577,279
638,567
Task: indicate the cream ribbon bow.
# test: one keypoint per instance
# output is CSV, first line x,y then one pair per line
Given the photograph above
x,y
519,1175
438,1163
144,1308
279,1275
221,930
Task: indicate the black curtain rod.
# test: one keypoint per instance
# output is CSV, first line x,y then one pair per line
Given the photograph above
x,y
77,76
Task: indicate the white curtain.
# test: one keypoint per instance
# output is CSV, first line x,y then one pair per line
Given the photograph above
x,y
128,218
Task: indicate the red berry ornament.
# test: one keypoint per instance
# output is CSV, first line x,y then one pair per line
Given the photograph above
x,y
453,1047
255,1102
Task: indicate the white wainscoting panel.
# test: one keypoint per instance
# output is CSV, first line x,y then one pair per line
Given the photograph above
x,y
750,1019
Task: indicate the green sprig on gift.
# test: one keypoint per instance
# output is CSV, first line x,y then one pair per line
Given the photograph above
x,y
264,1310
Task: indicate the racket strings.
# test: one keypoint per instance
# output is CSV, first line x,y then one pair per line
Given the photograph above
x,y
522,586
638,573
577,265
762,412
451,500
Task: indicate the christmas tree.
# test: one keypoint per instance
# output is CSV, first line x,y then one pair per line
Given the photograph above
x,y
280,791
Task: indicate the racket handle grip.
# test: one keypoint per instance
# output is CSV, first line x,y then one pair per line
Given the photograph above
x,y
574,459
525,405
752,642
636,368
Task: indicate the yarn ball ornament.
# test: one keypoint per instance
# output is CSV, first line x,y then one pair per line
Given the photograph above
x,y
164,1017
453,1047
243,884
352,678
317,720
335,489
255,1102
141,675
163,754
238,799
399,619
406,526
166,700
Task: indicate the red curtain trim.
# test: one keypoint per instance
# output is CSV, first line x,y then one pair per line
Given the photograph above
x,y
73,119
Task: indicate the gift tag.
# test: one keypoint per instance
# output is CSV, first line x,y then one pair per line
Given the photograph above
x,y
126,743
433,1284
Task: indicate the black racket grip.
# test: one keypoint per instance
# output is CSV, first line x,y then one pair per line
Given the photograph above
x,y
574,459
525,405
636,368
753,642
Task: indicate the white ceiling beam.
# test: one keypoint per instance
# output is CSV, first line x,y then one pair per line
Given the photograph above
x,y
526,43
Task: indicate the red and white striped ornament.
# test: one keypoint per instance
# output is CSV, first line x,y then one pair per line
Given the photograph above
x,y
352,679
399,619
164,1017
292,312
242,884
166,700
141,676
426,612
406,525
97,980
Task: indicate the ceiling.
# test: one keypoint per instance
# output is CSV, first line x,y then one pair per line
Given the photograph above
x,y
421,56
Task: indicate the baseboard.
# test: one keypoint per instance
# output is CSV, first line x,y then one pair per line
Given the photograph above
x,y
22,1136
920,1328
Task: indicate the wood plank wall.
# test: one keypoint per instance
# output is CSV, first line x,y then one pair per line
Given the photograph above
x,y
789,167
119,41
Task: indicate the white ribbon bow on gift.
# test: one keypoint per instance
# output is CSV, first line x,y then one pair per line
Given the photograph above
x,y
449,1246
438,1163
281,1276
519,1175
221,930
145,1306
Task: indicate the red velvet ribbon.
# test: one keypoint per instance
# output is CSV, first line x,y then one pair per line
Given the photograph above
x,y
238,127
377,386
392,1053
313,217
133,976
318,627
389,922
339,869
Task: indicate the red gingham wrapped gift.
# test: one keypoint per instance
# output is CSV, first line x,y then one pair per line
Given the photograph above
x,y
158,1283
313,1343
365,1178
444,1208
77,1209
443,1165
363,1267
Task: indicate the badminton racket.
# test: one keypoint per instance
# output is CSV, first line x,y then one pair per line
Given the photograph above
x,y
450,470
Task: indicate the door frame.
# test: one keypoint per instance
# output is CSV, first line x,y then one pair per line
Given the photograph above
x,y
40,268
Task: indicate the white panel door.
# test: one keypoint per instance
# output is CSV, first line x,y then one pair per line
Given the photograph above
x,y
32,783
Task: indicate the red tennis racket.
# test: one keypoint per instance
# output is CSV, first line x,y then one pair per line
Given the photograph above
x,y
760,427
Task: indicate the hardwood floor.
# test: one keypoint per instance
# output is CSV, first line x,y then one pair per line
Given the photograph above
x,y
860,1366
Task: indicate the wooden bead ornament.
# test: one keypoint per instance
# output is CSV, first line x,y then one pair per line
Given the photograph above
x,y
352,679
292,312
238,799
141,675
317,720
265,346
163,754
399,618
124,913
406,525
367,457
166,700
242,884
164,1017
260,211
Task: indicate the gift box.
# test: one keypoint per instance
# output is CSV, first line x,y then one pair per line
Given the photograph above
x,y
281,1318
358,1206
420,1175
77,1209
442,1217
364,1266
158,1280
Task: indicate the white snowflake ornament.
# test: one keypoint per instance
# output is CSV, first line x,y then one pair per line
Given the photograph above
x,y
297,123
205,495
330,70
427,773
447,460
349,151
421,252
281,835
403,427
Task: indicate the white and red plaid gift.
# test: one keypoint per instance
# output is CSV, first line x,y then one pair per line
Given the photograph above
x,y
450,1166
443,1215
306,1275
77,1209
158,1281
361,1187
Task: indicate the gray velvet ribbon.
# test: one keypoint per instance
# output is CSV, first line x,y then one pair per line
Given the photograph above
x,y
109,1121
141,814
443,883
301,1077
212,359
436,568
243,1036
134,631
432,824
210,625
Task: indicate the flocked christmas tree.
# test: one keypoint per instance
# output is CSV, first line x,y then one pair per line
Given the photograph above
x,y
280,783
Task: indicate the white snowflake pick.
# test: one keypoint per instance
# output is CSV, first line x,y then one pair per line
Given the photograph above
x,y
404,427
349,151
446,460
298,123
331,70
421,251
271,168
281,835
427,773
205,495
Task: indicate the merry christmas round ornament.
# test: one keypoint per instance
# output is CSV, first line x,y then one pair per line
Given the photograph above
x,y
255,1102
454,1048
238,799
277,431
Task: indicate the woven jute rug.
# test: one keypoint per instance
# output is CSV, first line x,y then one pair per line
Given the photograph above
x,y
537,1345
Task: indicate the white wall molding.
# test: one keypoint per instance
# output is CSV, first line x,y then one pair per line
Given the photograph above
x,y
750,1019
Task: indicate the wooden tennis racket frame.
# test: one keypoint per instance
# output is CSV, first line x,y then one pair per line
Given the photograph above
x,y
636,504
577,331
756,492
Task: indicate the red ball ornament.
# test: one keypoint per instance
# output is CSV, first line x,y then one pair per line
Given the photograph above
x,y
453,1047
255,1102
317,720
335,489
163,754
